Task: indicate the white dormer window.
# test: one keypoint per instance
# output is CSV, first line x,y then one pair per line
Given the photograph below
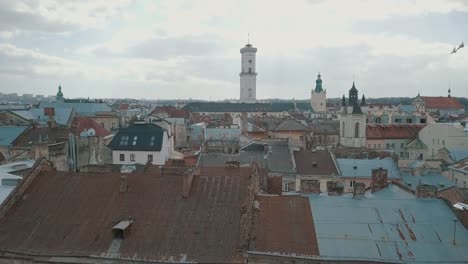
x,y
135,140
152,141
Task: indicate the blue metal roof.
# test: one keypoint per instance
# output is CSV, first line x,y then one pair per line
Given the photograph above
x,y
363,167
62,115
9,133
458,154
406,108
432,179
390,225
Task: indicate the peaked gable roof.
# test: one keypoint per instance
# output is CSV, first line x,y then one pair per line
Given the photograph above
x,y
442,102
81,125
291,125
393,131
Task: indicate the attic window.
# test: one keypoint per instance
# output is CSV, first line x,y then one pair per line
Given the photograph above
x,y
314,164
135,140
152,141
124,140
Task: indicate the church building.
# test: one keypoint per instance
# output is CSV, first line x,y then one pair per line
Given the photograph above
x,y
318,100
352,121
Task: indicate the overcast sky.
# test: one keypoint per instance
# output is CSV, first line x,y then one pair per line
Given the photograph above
x,y
190,49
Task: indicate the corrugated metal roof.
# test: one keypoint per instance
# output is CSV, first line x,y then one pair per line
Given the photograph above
x,y
364,167
432,179
62,115
390,225
9,133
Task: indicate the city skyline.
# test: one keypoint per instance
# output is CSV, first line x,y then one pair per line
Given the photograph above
x,y
183,50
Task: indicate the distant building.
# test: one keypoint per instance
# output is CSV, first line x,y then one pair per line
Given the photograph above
x,y
458,173
139,144
248,75
393,137
352,121
318,99
438,105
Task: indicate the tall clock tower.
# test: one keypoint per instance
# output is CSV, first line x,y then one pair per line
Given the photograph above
x,y
248,75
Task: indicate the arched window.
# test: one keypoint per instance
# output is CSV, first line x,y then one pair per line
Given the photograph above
x,y
342,130
356,130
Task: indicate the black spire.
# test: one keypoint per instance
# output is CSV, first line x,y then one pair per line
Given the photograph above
x,y
343,101
363,100
353,95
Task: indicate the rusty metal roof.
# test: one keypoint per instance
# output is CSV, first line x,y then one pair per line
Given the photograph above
x,y
72,214
285,226
318,162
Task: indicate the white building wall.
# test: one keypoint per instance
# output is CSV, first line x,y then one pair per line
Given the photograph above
x,y
438,135
347,130
248,75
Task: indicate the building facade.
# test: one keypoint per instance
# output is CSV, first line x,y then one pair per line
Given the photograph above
x,y
318,99
352,121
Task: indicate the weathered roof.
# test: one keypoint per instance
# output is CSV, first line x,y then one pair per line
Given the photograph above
x,y
393,131
461,165
438,180
285,226
62,115
8,183
458,154
82,125
9,133
139,137
84,108
277,158
172,111
363,167
291,125
389,225
325,127
72,214
36,135
223,107
17,166
318,162
222,133
442,102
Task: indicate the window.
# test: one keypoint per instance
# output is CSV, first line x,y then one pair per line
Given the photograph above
x,y
388,146
135,140
438,141
342,129
102,124
409,120
393,145
356,130
351,183
150,157
122,157
401,154
301,138
443,142
124,140
113,125
132,157
402,145
152,141
423,121
188,138
250,70
397,120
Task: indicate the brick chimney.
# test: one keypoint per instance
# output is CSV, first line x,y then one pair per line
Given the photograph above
x,y
378,179
187,180
123,184
359,190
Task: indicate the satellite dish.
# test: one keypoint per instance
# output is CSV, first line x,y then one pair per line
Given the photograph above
x,y
91,132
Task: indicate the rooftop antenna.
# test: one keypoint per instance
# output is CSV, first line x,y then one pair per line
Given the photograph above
x,y
248,37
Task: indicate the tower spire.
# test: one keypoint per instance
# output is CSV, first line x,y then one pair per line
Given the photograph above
x,y
449,91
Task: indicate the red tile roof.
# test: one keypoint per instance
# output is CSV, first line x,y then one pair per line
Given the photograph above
x,y
319,162
285,226
172,111
442,102
83,124
72,214
393,131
